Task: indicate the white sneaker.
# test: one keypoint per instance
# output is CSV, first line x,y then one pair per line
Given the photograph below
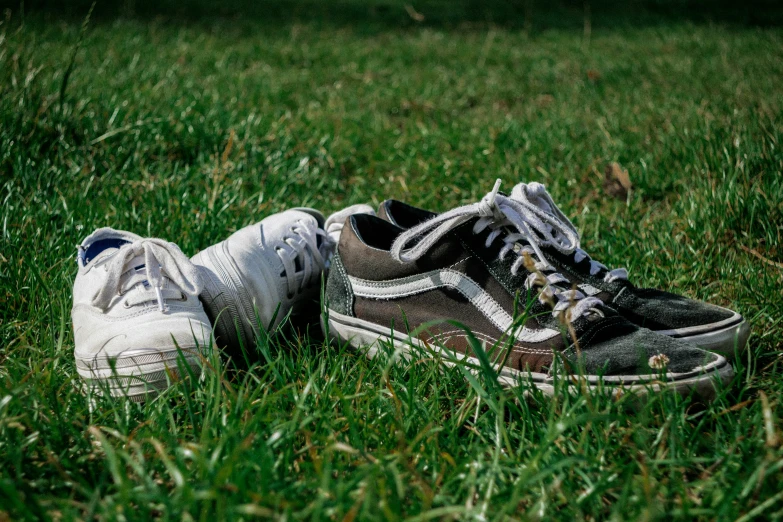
x,y
136,314
265,271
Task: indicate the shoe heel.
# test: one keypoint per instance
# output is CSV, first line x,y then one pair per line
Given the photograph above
x,y
222,302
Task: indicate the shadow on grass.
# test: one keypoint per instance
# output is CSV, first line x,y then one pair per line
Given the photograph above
x,y
374,15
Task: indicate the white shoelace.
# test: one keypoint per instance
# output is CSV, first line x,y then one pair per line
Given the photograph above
x,y
313,259
554,229
502,215
161,260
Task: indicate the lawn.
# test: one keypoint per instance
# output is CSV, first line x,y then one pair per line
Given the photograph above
x,y
188,123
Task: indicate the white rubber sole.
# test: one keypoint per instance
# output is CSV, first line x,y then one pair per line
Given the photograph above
x,y
702,381
137,374
726,341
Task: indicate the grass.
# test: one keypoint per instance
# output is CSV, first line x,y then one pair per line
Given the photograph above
x,y
191,128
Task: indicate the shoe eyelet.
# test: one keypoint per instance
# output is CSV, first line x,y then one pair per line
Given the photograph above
x,y
126,304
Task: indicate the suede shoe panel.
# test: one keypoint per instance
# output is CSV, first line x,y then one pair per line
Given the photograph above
x,y
374,264
523,300
407,314
664,310
632,353
646,307
339,295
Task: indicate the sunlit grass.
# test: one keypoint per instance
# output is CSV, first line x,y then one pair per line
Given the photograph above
x,y
327,114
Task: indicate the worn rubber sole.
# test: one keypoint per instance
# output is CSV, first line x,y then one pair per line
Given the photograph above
x,y
702,381
724,339
138,374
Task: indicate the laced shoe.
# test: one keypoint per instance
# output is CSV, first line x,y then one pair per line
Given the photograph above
x,y
136,314
262,273
474,265
557,243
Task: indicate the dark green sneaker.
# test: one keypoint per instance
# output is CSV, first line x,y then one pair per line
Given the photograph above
x,y
556,239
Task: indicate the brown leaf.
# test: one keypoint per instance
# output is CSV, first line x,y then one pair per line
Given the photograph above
x,y
415,15
544,99
617,183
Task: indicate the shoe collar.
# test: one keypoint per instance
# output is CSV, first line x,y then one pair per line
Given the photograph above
x,y
103,240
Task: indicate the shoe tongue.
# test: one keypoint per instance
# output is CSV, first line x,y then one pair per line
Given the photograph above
x,y
101,245
101,240
106,241
138,266
316,215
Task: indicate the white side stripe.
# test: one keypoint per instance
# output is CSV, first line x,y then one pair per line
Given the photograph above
x,y
397,288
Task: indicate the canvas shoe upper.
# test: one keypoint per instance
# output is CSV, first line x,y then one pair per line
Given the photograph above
x,y
472,265
136,313
263,272
705,325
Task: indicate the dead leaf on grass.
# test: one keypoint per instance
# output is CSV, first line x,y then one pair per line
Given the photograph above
x,y
617,182
544,99
413,13
593,75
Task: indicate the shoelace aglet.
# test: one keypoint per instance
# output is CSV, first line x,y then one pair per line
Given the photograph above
x,y
494,192
161,304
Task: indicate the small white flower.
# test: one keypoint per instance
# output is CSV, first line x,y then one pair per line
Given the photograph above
x,y
658,362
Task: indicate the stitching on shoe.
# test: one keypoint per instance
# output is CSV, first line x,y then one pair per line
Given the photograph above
x,y
586,341
147,309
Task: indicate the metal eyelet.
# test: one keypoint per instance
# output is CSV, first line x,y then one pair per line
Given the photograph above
x,y
126,304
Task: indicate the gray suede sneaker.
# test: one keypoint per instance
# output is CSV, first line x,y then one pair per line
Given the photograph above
x,y
472,265
706,325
